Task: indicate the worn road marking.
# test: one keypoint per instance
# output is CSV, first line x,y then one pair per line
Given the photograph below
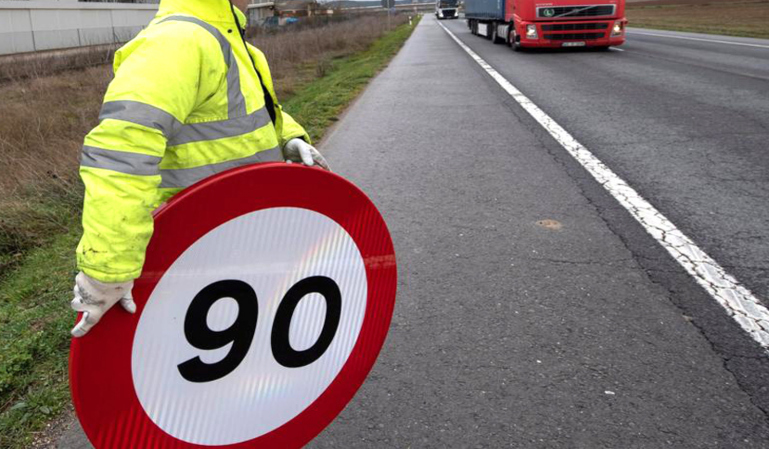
x,y
737,300
615,49
700,39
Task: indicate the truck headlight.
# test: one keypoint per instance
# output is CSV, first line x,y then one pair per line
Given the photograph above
x,y
531,31
618,28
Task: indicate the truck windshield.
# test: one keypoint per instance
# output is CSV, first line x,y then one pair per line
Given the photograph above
x,y
448,3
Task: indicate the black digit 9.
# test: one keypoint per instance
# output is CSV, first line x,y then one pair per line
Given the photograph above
x,y
281,346
199,335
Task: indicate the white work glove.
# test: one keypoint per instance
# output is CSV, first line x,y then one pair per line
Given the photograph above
x,y
95,298
297,150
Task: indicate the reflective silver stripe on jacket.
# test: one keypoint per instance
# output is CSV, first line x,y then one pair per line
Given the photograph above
x,y
120,161
185,177
198,132
145,165
177,133
236,101
141,114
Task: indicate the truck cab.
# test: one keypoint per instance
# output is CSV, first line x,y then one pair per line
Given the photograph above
x,y
549,24
446,9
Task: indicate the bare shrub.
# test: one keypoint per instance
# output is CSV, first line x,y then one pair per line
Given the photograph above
x,y
289,51
324,65
35,65
44,122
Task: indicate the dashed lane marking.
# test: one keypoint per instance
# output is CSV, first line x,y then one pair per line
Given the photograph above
x,y
744,44
616,49
737,300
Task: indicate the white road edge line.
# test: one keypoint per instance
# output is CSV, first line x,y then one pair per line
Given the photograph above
x,y
699,39
737,300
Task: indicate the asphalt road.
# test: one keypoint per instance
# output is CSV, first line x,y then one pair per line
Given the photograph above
x,y
510,332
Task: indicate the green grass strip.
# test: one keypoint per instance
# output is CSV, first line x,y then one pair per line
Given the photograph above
x,y
34,340
34,296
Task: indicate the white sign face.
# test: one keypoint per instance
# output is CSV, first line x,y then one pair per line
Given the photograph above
x,y
227,355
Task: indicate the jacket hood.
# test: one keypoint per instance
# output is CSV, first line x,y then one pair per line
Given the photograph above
x,y
211,11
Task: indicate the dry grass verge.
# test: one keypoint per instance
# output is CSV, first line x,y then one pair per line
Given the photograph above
x,y
727,17
298,57
44,121
45,63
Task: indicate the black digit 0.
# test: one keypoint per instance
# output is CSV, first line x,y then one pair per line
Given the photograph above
x,y
199,335
281,347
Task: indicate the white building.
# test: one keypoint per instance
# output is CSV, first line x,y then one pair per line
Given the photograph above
x,y
259,10
37,25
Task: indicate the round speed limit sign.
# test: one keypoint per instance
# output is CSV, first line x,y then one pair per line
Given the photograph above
x,y
265,298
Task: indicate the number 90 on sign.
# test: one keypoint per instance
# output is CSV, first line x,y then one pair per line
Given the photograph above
x,y
250,343
240,334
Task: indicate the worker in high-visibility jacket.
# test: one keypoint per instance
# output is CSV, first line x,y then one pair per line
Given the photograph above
x,y
190,99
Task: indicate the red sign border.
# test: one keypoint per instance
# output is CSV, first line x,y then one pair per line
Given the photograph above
x,y
100,363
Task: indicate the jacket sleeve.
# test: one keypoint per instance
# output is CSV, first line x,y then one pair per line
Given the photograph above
x,y
286,127
291,128
155,88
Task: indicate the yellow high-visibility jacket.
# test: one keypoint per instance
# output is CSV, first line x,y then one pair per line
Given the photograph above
x,y
189,100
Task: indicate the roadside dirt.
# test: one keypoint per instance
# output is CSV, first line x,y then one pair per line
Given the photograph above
x,y
728,17
50,436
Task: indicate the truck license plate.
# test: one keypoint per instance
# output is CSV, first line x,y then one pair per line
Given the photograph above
x,y
573,44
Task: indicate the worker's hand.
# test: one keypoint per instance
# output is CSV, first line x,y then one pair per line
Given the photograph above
x,y
297,150
95,298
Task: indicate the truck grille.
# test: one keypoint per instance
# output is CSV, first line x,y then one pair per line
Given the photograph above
x,y
575,26
574,36
576,11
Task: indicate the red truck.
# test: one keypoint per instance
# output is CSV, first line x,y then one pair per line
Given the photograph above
x,y
549,24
